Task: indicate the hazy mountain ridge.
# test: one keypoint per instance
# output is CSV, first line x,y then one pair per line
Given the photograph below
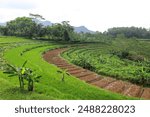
x,y
44,23
83,29
2,24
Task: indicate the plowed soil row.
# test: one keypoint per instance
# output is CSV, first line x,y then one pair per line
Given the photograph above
x,y
108,83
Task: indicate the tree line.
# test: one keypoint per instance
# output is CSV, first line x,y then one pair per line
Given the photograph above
x,y
27,27
129,32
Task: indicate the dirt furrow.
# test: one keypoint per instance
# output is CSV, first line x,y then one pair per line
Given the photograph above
x,y
103,82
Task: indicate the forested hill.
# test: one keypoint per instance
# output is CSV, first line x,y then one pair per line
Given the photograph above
x,y
129,32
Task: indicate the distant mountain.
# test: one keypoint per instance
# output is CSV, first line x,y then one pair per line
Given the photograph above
x,y
44,23
82,29
76,29
2,24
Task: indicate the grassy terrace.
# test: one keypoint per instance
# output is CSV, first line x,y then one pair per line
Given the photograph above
x,y
50,85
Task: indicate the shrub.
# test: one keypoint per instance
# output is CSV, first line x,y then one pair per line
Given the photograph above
x,y
135,57
23,73
124,54
84,63
121,54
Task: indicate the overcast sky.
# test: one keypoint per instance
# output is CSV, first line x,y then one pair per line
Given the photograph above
x,y
94,14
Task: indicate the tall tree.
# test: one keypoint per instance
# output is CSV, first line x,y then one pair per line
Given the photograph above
x,y
22,26
3,30
68,30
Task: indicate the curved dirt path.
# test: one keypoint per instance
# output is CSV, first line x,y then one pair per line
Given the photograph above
x,y
92,78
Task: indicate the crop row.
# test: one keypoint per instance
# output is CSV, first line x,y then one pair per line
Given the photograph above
x,y
7,46
100,59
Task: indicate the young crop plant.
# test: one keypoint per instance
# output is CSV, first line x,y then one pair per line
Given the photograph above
x,y
123,61
144,77
23,73
63,72
83,62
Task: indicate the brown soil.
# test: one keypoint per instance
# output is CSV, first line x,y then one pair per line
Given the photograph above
x,y
92,78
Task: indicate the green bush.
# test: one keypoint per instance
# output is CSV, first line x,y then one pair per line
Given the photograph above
x,y
124,54
84,63
23,73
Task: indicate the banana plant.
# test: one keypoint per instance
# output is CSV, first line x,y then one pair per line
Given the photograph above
x,y
23,73
63,72
30,77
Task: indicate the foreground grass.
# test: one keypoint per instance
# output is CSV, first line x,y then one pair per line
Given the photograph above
x,y
9,90
11,39
50,85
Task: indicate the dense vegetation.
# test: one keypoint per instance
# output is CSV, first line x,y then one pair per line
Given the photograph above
x,y
27,27
129,32
124,59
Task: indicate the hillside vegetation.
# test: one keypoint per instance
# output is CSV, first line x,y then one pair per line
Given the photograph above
x,y
123,59
50,85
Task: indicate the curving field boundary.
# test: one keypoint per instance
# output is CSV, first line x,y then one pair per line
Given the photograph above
x,y
108,83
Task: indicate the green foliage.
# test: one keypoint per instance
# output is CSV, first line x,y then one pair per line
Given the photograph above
x,y
23,73
27,27
85,63
95,37
129,32
63,72
124,54
121,54
21,26
60,31
122,59
3,30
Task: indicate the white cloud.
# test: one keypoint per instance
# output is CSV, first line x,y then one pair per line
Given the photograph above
x,y
95,14
17,4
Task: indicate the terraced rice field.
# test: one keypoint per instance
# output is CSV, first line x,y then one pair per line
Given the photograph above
x,y
108,83
108,60
17,50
